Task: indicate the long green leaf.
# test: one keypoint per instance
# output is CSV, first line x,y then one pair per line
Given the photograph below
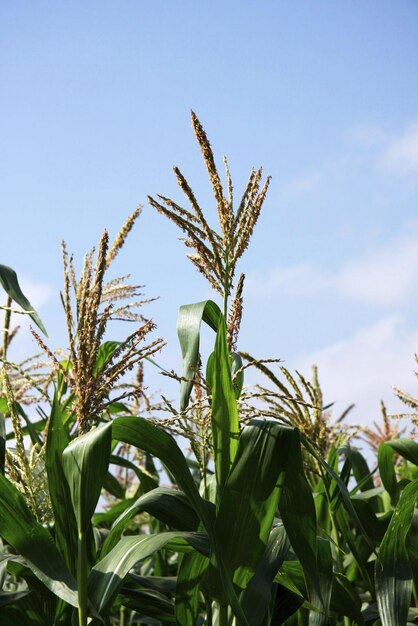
x,y
406,448
297,510
85,461
189,576
10,283
64,517
108,574
386,460
141,433
393,570
149,604
225,425
345,599
2,442
188,330
257,596
322,600
251,495
34,543
144,435
169,506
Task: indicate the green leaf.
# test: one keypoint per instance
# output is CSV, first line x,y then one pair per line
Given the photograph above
x,y
163,584
65,522
10,283
257,596
148,603
85,461
189,576
345,599
113,486
237,373
251,494
225,425
108,574
141,433
147,482
2,442
322,600
341,486
103,355
10,597
393,570
188,331
406,448
386,455
297,510
169,506
34,543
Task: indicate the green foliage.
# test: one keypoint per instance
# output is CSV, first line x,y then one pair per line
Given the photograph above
x,y
276,520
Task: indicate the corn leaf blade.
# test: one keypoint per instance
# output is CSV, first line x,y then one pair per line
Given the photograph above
x,y
10,283
393,572
85,462
188,330
34,543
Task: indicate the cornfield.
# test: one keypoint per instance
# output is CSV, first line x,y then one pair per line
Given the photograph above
x,y
273,516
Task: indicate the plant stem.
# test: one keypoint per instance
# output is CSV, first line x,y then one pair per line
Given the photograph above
x,y
223,615
82,579
6,328
208,612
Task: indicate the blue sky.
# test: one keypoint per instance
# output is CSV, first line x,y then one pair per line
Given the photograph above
x,y
96,111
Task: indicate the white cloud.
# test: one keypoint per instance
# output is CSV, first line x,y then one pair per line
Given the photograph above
x,y
400,155
366,136
302,185
362,369
303,280
385,276
38,294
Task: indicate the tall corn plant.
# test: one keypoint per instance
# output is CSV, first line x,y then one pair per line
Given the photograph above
x,y
252,543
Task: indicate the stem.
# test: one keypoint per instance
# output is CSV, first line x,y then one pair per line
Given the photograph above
x,y
208,612
223,615
6,328
226,285
82,579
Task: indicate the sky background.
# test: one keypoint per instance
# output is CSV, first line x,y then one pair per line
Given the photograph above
x,y
95,111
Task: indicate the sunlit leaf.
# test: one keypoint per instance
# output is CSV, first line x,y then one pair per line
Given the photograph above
x,y
393,569
10,283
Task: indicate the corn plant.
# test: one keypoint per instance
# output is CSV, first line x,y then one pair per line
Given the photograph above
x,y
277,520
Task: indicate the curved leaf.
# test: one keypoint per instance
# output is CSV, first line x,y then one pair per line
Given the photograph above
x,y
34,543
393,570
224,411
146,436
189,576
167,505
148,603
85,461
188,331
251,494
10,283
64,517
257,596
108,574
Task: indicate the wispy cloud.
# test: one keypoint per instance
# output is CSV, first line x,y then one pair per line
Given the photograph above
x,y
37,293
400,155
361,369
385,276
